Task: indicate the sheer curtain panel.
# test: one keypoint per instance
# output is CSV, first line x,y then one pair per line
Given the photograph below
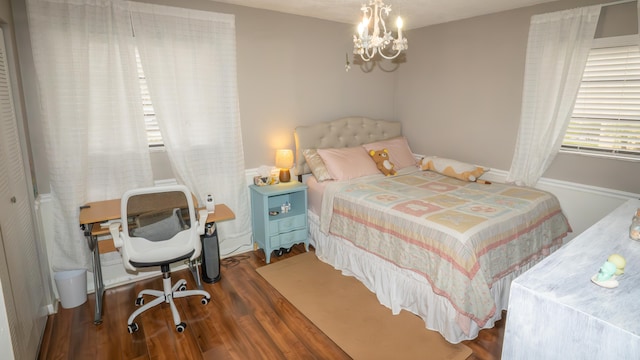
x,y
189,58
557,52
90,109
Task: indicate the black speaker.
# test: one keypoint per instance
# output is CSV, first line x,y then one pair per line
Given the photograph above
x,y
210,255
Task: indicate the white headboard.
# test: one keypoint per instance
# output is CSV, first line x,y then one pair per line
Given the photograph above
x,y
345,132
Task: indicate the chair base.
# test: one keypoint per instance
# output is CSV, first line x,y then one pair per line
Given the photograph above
x,y
178,290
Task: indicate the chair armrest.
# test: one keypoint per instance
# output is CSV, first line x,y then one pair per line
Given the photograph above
x,y
202,221
114,229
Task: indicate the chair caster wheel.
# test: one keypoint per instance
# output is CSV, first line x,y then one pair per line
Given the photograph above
x,y
180,327
140,301
132,328
182,287
204,301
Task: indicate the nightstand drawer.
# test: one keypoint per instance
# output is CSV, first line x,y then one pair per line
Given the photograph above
x,y
288,224
288,239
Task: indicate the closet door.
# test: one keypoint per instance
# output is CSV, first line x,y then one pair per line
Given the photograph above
x,y
20,277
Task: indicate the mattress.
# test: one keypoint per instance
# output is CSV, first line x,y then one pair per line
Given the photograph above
x,y
451,267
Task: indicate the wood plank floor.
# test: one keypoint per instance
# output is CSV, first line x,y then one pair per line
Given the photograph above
x,y
246,319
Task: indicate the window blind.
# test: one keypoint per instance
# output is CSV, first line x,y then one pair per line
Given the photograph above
x,y
154,137
606,116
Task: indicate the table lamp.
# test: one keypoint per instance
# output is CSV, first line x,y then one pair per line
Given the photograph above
x,y
284,161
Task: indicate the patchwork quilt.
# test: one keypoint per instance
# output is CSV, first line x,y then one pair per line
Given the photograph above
x,y
460,236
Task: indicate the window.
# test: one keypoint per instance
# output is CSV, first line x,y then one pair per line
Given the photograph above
x,y
606,117
154,137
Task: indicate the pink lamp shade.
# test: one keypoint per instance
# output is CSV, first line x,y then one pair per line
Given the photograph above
x,y
284,161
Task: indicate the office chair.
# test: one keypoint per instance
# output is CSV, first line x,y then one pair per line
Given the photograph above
x,y
158,227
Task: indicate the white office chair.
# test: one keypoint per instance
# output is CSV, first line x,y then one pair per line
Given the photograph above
x,y
159,227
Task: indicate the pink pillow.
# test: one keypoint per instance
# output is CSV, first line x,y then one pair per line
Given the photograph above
x,y
399,152
348,163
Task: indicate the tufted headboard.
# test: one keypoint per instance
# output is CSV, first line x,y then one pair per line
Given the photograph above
x,y
345,132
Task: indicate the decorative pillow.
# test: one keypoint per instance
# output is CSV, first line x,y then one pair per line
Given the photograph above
x,y
348,163
316,164
161,230
452,168
399,152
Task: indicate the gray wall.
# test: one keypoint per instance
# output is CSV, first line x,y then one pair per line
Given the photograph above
x,y
460,92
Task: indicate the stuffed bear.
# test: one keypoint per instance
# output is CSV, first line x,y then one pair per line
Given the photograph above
x,y
452,168
381,158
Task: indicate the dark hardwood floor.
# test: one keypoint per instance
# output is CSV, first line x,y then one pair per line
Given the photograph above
x,y
246,319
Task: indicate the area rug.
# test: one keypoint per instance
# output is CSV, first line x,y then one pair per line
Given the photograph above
x,y
348,313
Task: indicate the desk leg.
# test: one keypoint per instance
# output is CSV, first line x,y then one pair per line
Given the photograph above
x,y
98,284
97,273
193,266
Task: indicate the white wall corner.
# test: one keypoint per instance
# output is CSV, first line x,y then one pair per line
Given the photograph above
x,y
45,227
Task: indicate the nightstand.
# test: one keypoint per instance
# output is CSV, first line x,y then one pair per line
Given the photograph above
x,y
274,229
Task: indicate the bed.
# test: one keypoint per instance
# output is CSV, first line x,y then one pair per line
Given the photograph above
x,y
438,246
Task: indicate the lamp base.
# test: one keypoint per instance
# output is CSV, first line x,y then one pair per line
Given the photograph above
x,y
285,175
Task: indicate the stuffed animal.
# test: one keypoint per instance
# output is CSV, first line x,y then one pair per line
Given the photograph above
x,y
381,158
452,168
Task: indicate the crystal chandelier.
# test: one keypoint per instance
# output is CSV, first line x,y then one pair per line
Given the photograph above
x,y
373,37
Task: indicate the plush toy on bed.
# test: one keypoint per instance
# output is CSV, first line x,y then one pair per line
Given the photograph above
x,y
452,168
381,158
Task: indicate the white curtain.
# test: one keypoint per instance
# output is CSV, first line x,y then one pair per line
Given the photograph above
x,y
91,111
557,52
189,59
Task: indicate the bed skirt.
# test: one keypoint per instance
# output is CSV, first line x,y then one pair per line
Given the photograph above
x,y
400,289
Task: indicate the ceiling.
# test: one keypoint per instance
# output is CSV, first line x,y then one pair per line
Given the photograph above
x,y
415,13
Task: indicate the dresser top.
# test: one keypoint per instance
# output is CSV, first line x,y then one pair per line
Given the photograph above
x,y
565,276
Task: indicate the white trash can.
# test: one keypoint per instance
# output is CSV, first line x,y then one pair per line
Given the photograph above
x,y
72,287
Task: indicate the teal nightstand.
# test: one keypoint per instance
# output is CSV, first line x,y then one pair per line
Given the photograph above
x,y
274,229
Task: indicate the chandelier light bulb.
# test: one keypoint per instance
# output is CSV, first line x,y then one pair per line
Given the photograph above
x,y
365,25
380,41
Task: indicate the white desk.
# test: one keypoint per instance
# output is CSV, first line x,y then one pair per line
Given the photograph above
x,y
556,312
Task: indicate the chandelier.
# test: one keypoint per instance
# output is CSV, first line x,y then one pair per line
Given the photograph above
x,y
373,37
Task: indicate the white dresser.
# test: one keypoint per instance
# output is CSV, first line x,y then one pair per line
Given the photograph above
x,y
556,312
